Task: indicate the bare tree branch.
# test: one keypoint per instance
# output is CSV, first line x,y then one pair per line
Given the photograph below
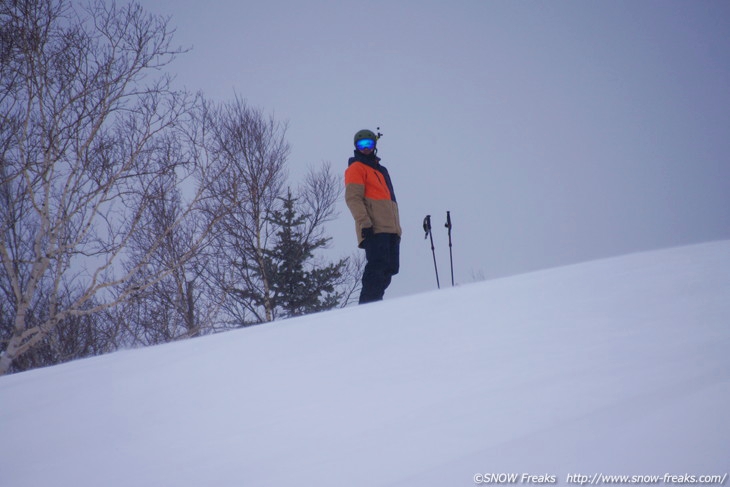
x,y
86,124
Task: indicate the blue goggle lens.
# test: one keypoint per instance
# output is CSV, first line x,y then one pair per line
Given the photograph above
x,y
365,144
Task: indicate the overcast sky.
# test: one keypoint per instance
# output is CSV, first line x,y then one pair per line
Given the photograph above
x,y
554,131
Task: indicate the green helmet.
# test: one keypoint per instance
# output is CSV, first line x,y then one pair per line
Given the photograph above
x,y
365,134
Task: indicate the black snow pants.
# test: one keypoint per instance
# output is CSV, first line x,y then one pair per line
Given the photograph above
x,y
382,252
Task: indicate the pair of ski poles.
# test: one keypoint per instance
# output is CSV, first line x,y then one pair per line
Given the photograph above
x,y
429,233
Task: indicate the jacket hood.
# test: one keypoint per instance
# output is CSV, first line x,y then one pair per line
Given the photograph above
x,y
369,159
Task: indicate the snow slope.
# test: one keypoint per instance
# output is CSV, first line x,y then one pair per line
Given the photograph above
x,y
615,367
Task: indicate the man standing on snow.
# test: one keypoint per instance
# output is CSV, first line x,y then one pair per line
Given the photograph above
x,y
369,196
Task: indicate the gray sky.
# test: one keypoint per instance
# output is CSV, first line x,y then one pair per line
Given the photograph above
x,y
554,131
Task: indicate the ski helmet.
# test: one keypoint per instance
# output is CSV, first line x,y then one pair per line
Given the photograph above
x,y
365,134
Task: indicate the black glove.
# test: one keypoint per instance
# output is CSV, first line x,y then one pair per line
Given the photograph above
x,y
367,233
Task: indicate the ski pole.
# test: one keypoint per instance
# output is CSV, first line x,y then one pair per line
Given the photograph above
x,y
451,257
427,229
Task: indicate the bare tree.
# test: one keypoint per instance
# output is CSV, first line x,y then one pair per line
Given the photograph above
x,y
182,304
258,235
75,337
85,124
254,149
349,285
318,196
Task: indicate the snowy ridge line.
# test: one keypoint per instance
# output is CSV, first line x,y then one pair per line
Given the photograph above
x,y
422,390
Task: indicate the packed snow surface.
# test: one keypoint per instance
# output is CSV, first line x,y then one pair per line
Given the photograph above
x,y
613,367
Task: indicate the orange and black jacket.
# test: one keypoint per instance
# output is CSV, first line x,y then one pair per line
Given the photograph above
x,y
370,197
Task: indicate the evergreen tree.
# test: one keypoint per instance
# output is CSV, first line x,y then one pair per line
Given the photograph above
x,y
300,283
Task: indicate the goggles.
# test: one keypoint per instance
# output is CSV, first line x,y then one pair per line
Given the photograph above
x,y
365,144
